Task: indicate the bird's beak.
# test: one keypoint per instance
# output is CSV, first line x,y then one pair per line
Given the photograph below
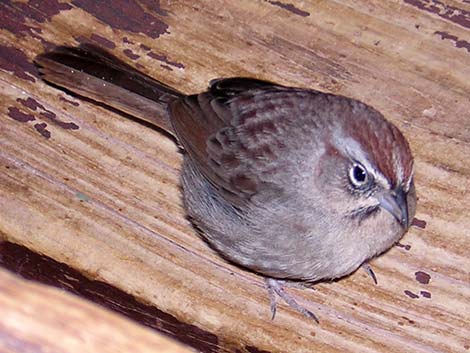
x,y
394,201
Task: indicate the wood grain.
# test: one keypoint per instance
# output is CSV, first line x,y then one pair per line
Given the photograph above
x,y
37,318
100,193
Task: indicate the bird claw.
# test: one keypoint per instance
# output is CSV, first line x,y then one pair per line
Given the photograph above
x,y
273,309
272,299
369,271
276,287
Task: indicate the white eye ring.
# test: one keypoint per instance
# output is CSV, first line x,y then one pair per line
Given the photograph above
x,y
358,175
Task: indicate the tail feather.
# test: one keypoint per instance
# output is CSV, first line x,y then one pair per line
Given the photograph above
x,y
97,75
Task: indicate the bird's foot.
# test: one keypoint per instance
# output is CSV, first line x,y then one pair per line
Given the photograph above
x,y
276,286
369,271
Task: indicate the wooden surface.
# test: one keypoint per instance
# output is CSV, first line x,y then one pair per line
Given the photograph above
x,y
100,193
36,318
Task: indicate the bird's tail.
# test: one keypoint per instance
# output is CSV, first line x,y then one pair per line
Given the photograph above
x,y
97,75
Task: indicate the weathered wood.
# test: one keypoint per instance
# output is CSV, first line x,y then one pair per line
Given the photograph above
x,y
37,318
100,193
31,265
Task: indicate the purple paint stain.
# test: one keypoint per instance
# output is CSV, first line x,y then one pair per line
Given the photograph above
x,y
411,294
453,14
30,103
14,21
14,60
53,119
63,99
41,128
102,41
458,42
407,247
17,18
422,277
42,10
81,39
130,54
165,59
144,47
18,115
166,67
419,223
425,294
139,15
47,114
290,8
127,40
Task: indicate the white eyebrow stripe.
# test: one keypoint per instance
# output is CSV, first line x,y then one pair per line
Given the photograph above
x,y
355,152
378,176
398,167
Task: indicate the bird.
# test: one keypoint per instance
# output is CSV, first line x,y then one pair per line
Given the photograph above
x,y
294,184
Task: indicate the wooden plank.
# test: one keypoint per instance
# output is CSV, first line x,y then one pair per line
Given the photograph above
x,y
31,265
37,318
100,193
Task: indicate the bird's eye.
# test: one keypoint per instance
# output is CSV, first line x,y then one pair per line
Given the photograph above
x,y
358,175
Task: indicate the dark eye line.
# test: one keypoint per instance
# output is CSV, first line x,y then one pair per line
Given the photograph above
x,y
363,213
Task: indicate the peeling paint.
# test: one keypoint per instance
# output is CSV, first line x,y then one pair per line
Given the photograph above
x,y
425,294
454,14
407,247
418,223
126,40
289,7
16,17
33,105
458,43
144,47
164,59
411,294
15,61
166,67
63,99
422,277
30,103
104,42
140,16
130,54
41,128
18,115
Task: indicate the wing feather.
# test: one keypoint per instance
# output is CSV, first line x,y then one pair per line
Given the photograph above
x,y
236,133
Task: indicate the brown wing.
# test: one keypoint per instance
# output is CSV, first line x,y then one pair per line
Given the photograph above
x,y
236,133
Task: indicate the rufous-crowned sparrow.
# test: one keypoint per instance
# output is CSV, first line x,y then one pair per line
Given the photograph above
x,y
291,183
